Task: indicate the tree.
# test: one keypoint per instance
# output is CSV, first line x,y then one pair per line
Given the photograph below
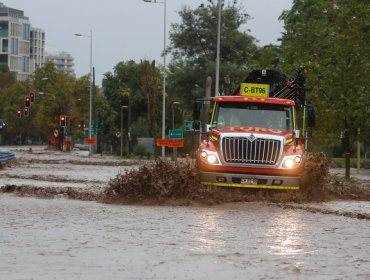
x,y
62,96
332,39
267,57
149,81
6,77
56,93
12,98
194,50
134,85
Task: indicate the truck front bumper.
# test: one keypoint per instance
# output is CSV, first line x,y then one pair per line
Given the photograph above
x,y
255,181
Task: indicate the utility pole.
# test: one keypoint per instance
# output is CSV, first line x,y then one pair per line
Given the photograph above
x,y
347,148
358,150
218,48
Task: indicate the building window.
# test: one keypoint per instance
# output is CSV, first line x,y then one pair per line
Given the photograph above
x,y
14,46
25,64
4,29
5,46
14,63
26,31
4,58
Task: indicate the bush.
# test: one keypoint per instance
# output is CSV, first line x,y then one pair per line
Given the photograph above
x,y
140,150
140,128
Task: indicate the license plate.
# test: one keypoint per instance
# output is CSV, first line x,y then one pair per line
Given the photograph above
x,y
249,181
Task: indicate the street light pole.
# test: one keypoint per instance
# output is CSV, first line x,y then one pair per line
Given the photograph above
x,y
173,127
173,114
122,127
218,49
164,71
91,87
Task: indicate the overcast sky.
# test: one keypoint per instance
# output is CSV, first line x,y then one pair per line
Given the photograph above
x,y
128,29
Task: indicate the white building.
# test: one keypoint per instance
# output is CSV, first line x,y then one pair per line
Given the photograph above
x,y
15,41
37,44
63,61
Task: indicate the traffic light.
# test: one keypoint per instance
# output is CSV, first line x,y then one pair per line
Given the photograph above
x,y
28,101
19,113
63,120
26,111
32,96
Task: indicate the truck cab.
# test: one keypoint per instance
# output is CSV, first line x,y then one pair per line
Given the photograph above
x,y
255,139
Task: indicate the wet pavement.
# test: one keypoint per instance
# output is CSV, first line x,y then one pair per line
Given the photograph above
x,y
72,239
69,239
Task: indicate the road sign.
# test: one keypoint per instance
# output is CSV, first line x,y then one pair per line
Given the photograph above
x,y
176,143
162,142
188,125
176,134
118,134
90,141
172,143
67,144
56,133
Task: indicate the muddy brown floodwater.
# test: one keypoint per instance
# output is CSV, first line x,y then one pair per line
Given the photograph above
x,y
59,238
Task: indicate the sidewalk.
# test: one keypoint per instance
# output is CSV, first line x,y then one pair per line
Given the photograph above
x,y
363,174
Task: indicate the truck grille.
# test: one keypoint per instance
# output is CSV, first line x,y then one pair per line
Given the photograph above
x,y
255,151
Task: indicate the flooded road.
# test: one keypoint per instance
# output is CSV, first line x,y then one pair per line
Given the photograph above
x,y
71,239
68,239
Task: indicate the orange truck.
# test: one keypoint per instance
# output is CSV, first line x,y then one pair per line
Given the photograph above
x,y
257,136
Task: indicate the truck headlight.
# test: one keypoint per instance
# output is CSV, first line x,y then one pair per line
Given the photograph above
x,y
291,162
212,159
209,157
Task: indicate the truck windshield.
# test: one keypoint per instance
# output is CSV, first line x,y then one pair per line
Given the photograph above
x,y
261,115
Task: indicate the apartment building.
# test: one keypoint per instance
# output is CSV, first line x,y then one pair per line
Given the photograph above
x,y
22,46
15,41
37,46
63,61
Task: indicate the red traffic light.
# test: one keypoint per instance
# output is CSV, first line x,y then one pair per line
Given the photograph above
x,y
28,101
19,113
26,111
63,120
32,96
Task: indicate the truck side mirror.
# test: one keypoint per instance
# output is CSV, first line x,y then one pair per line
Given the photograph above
x,y
297,137
311,117
196,111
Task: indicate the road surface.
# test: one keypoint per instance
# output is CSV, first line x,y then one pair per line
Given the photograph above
x,y
59,238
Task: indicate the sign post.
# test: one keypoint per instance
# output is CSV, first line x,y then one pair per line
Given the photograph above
x,y
176,134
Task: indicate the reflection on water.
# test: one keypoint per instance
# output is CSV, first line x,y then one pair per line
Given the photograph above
x,y
286,235
208,233
283,233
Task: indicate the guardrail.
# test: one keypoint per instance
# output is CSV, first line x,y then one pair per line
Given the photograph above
x,y
4,156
